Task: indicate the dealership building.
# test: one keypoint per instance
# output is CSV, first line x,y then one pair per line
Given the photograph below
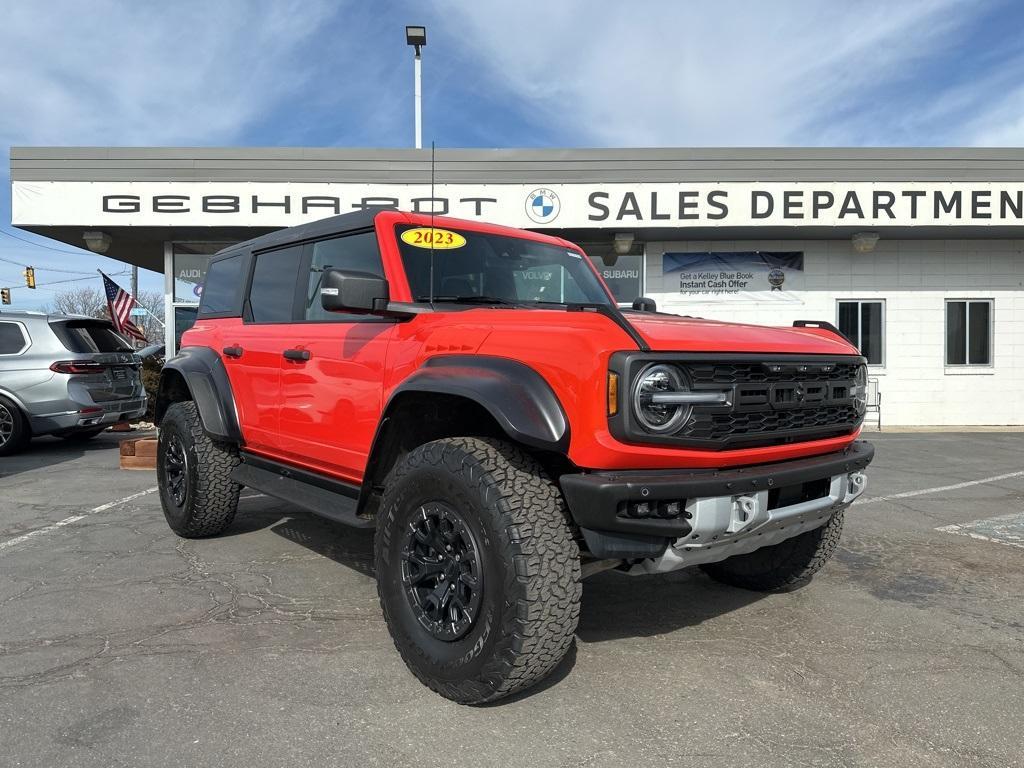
x,y
917,255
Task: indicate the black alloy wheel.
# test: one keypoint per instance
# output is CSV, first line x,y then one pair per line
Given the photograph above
x,y
198,496
441,572
175,468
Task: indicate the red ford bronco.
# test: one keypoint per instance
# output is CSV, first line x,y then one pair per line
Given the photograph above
x,y
474,393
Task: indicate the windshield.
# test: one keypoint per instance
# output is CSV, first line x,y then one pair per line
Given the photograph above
x,y
487,268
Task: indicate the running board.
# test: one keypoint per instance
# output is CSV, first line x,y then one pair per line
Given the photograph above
x,y
322,496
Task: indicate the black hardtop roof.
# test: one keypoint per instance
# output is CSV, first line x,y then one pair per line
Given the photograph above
x,y
345,222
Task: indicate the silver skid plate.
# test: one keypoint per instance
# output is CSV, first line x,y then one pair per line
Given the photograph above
x,y
723,526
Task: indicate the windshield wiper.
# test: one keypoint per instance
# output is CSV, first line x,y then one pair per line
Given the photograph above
x,y
470,300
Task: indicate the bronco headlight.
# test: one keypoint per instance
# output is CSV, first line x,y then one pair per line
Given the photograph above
x,y
659,398
860,390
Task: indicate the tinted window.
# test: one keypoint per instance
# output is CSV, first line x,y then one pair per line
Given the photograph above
x,y
861,323
357,253
272,296
222,286
624,278
956,333
89,336
11,339
969,332
511,269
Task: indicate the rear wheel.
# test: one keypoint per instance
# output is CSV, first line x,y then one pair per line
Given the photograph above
x,y
784,566
14,428
477,570
198,496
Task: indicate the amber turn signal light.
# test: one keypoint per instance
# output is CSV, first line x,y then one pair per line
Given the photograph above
x,y
613,393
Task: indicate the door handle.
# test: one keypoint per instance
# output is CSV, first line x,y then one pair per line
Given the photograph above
x,y
235,351
296,354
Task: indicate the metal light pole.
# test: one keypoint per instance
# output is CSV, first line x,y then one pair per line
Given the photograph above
x,y
417,37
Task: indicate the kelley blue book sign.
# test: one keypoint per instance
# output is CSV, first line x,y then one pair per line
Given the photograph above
x,y
738,275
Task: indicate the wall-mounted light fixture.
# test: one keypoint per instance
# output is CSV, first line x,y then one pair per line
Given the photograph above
x,y
623,242
864,242
97,242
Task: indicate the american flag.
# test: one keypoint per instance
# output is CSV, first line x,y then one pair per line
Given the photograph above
x,y
119,305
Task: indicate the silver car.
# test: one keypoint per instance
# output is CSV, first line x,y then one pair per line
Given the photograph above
x,y
64,375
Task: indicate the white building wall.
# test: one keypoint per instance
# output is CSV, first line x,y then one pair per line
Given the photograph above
x,y
914,278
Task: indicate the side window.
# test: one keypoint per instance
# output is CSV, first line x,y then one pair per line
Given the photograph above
x,y
272,296
863,323
222,287
12,339
969,332
356,253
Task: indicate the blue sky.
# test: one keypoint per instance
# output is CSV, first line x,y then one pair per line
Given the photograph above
x,y
580,73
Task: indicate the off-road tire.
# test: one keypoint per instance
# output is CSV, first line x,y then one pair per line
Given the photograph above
x,y
783,566
210,498
17,431
530,564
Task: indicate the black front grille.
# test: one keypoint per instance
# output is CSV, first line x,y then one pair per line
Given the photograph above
x,y
774,400
834,419
743,373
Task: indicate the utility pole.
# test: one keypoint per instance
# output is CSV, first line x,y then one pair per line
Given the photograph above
x,y
135,295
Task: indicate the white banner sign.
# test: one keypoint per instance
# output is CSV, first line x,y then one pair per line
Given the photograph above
x,y
632,206
740,275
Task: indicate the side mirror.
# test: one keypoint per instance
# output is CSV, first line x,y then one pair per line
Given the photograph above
x,y
342,290
644,304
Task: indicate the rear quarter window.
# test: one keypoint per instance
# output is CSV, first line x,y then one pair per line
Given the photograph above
x,y
222,288
12,338
86,336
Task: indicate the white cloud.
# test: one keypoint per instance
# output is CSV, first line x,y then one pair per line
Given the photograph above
x,y
110,73
113,73
711,74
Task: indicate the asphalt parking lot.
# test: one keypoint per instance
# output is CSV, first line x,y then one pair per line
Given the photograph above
x,y
121,645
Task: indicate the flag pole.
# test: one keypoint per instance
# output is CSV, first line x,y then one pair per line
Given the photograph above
x,y
137,304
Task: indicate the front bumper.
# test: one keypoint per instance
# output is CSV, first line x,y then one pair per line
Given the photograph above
x,y
705,510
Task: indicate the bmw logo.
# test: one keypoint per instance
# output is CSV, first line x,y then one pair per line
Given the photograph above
x,y
542,205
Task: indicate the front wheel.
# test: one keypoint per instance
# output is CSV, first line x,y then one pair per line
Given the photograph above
x,y
477,570
783,566
193,472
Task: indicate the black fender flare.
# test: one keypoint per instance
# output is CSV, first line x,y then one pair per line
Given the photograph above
x,y
520,399
207,382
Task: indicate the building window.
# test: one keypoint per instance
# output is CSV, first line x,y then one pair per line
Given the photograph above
x,y
625,278
190,263
969,332
863,323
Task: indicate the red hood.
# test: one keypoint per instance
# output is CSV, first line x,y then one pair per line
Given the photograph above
x,y
670,333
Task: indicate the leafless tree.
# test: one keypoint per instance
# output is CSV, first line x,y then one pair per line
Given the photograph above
x,y
92,302
85,300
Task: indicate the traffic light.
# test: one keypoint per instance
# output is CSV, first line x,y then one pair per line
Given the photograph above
x,y
30,277
5,295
